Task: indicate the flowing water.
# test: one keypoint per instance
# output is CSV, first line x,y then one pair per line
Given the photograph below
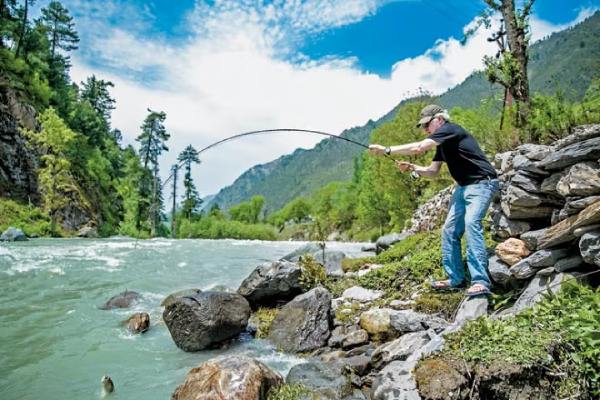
x,y
55,343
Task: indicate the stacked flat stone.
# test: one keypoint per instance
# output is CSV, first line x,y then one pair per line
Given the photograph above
x,y
550,203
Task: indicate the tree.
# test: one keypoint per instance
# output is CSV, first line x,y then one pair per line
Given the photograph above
x,y
192,200
249,211
509,66
60,28
57,184
152,140
24,14
7,20
95,91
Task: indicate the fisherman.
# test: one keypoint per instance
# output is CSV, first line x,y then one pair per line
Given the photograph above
x,y
477,183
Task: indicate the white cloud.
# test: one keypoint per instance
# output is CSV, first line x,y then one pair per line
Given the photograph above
x,y
540,28
230,77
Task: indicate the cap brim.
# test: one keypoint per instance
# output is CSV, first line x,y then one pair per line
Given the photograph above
x,y
423,120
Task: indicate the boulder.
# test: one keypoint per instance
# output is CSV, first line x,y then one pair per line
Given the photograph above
x,y
138,322
206,319
512,250
228,378
532,238
522,163
536,289
399,349
386,241
549,184
331,260
303,323
360,294
395,382
521,212
498,271
308,248
560,233
13,234
411,321
354,339
89,232
180,293
358,364
272,282
326,381
582,179
471,308
568,263
526,182
522,198
528,267
589,246
580,151
377,322
504,228
523,270
121,300
581,204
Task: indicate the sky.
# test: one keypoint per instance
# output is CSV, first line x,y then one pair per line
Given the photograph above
x,y
221,67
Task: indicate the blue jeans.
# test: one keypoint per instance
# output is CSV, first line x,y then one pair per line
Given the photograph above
x,y
468,206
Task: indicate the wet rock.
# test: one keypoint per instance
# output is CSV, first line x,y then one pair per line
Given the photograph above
x,y
582,179
121,300
580,151
228,378
206,319
512,250
325,380
532,238
589,245
181,293
354,339
272,282
386,241
13,234
411,321
498,271
399,349
558,234
138,322
303,323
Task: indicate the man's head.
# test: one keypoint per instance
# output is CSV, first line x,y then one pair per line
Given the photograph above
x,y
432,117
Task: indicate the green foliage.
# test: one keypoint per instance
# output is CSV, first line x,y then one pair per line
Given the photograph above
x,y
439,303
569,320
191,200
211,227
356,264
296,210
313,273
32,220
249,211
290,392
264,317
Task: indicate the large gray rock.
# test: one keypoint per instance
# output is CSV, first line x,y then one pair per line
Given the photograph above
x,y
536,289
529,266
526,182
411,321
535,152
471,308
580,151
180,293
121,300
228,378
568,263
580,133
522,163
13,234
386,241
582,179
513,211
355,338
360,294
395,382
331,260
399,349
272,282
325,380
206,319
589,245
532,238
308,248
548,186
504,228
498,271
303,323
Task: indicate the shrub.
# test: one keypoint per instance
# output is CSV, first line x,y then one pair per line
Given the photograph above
x,y
264,317
32,220
290,392
313,273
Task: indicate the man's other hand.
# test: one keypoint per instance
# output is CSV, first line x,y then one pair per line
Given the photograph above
x,y
377,149
405,166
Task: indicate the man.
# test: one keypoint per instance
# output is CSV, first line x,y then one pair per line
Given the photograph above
x,y
477,184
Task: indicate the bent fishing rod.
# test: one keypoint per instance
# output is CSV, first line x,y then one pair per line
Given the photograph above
x,y
267,131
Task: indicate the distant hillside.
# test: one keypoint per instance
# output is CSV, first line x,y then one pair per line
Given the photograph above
x,y
567,60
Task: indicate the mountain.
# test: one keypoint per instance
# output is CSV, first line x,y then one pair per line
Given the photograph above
x,y
567,60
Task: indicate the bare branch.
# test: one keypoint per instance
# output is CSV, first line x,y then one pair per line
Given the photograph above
x,y
493,4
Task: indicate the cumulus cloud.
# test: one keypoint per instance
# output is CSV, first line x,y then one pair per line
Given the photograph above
x,y
234,74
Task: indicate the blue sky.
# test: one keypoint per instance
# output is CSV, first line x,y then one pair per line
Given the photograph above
x,y
220,67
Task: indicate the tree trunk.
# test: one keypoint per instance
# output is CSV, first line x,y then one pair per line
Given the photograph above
x,y
173,223
517,44
23,29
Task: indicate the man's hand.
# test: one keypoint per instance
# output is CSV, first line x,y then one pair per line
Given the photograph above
x,y
377,149
405,166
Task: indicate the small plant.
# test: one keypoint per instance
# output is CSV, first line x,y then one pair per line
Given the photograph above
x,y
356,264
265,317
290,392
313,273
439,303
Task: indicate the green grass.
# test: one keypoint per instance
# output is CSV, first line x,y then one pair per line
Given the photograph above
x,y
32,220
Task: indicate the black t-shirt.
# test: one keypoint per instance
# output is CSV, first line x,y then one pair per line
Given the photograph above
x,y
459,149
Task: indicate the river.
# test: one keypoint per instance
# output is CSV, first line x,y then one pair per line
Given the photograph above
x,y
56,344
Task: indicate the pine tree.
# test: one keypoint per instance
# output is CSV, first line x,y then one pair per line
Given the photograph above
x,y
95,91
60,28
24,26
192,200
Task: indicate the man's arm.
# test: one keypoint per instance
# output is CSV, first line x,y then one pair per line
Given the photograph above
x,y
408,149
431,171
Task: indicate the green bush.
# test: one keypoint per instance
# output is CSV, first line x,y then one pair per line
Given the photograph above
x,y
313,273
32,220
289,392
216,228
264,317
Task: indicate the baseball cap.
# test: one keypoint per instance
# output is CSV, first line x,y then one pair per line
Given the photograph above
x,y
428,113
